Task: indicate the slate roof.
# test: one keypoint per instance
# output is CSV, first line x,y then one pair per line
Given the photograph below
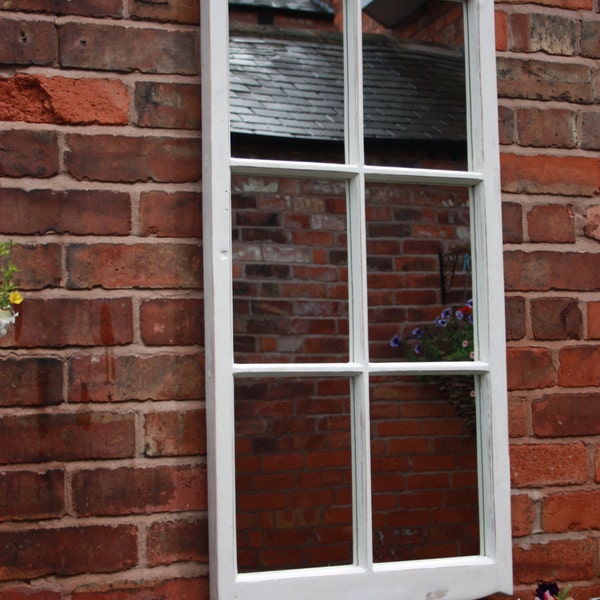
x,y
308,6
291,87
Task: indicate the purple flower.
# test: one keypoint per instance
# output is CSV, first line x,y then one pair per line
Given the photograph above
x,y
417,349
460,315
396,341
417,333
440,322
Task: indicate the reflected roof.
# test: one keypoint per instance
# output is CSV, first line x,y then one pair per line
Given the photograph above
x,y
289,84
309,6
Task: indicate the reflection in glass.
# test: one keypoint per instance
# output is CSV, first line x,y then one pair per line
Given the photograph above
x,y
419,272
414,84
424,468
293,473
290,279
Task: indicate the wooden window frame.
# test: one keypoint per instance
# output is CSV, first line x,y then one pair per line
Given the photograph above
x,y
460,578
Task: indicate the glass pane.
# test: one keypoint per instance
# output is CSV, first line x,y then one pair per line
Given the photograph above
x,y
290,275
424,468
414,84
293,473
419,272
287,83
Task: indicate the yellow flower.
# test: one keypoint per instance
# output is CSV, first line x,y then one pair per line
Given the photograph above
x,y
15,298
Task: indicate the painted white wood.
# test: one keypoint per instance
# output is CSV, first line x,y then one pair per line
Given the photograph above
x,y
457,578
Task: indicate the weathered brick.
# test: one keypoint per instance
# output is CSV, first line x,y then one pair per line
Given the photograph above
x,y
556,415
168,105
180,589
546,128
31,381
130,159
79,212
567,175
501,30
556,319
553,223
180,11
175,433
590,130
47,437
522,515
124,378
541,80
591,224
593,320
67,551
39,266
570,560
539,465
551,271
149,265
543,33
118,48
174,541
565,4
515,318
512,223
177,214
518,416
84,8
72,322
172,322
28,153
27,42
27,495
579,366
530,368
506,125
590,38
130,491
29,593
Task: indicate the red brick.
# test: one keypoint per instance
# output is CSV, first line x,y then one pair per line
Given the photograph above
x,y
522,515
130,491
515,318
79,212
590,130
518,416
28,153
543,33
575,511
168,105
84,8
27,42
29,593
129,159
567,175
512,223
570,560
72,322
171,589
530,368
123,378
579,366
180,11
593,320
554,223
590,38
46,437
175,433
528,271
546,128
500,23
40,266
119,48
172,322
556,415
149,265
506,124
539,465
67,551
556,319
542,80
175,541
177,214
31,381
566,4
28,495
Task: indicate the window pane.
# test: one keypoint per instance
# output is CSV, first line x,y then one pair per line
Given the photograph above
x,y
287,86
414,84
424,468
419,272
293,473
290,279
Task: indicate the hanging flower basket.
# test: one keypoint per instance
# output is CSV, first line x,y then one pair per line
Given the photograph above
x,y
460,392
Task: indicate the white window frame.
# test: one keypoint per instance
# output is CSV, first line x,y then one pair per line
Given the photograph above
x,y
460,578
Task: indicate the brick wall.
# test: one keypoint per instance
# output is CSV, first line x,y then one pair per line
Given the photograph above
x,y
102,486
